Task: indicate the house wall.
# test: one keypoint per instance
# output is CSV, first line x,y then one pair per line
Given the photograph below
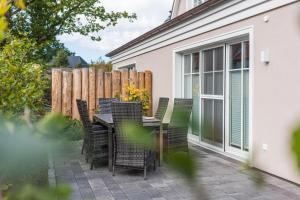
x,y
180,8
276,97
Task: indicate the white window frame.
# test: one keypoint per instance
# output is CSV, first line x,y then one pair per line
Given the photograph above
x,y
178,90
233,150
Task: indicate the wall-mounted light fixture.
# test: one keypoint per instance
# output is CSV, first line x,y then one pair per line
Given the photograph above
x,y
265,56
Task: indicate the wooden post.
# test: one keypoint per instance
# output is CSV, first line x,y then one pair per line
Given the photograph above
x,y
85,85
67,93
99,86
76,92
133,78
56,90
116,84
141,78
107,84
124,83
92,92
148,87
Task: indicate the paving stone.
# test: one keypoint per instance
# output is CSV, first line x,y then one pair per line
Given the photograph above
x,y
220,178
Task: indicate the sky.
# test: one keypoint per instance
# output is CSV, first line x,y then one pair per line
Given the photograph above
x,y
150,13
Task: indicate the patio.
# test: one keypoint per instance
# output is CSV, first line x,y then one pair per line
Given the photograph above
x,y
220,177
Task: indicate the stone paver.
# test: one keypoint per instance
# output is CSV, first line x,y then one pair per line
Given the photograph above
x,y
219,177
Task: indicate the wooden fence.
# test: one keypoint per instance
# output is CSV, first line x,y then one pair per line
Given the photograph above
x,y
91,84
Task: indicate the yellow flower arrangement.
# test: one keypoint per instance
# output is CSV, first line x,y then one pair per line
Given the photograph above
x,y
141,95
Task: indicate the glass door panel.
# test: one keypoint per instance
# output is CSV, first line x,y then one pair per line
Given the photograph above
x,y
196,104
239,96
192,88
212,96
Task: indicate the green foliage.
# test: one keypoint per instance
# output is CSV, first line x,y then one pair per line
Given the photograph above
x,y
139,135
60,59
296,145
43,20
5,5
22,81
30,192
183,163
24,148
55,126
102,64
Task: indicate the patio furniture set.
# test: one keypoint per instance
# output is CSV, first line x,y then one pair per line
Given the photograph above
x,y
105,139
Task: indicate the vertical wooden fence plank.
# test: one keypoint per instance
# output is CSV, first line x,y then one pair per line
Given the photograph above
x,y
141,78
99,85
116,84
67,93
85,85
107,84
76,92
56,90
92,92
133,78
148,87
124,83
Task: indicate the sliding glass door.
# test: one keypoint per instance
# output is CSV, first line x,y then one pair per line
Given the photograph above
x,y
192,88
238,98
212,96
217,79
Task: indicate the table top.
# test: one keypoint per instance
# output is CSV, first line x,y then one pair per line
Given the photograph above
x,y
107,120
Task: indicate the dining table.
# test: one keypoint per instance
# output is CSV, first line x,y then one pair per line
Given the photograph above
x,y
106,120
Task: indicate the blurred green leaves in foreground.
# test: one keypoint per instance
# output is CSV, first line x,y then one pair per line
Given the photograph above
x,y
24,150
296,145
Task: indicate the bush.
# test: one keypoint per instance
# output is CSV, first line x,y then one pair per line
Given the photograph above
x,y
22,81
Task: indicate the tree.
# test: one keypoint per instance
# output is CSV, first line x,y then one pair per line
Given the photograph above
x,y
43,20
61,58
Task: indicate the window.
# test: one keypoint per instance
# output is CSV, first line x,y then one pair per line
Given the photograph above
x,y
197,2
239,95
191,64
217,79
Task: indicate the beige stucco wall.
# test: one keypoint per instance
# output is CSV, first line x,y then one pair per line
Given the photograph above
x,y
276,87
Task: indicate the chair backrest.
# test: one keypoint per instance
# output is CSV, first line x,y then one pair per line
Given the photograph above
x,y
179,124
123,112
105,105
162,108
84,116
181,113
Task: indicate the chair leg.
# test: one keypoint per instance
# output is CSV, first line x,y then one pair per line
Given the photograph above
x,y
145,172
113,170
82,149
154,164
92,164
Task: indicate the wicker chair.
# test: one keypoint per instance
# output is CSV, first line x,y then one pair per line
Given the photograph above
x,y
176,137
96,138
126,154
162,108
105,105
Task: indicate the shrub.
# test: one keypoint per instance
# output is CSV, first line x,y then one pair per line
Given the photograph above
x,y
22,81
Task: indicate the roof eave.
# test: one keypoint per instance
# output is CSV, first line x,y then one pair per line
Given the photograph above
x,y
165,26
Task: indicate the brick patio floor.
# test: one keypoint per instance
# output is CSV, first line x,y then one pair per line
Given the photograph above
x,y
220,177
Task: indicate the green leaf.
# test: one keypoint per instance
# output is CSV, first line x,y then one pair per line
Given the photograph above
x,y
137,134
183,163
296,145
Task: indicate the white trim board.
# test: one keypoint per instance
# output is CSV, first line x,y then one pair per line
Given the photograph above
x,y
229,13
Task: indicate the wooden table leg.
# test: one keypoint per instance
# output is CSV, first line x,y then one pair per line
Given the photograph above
x,y
110,148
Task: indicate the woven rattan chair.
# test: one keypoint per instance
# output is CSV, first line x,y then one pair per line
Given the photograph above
x,y
105,105
96,138
162,108
127,154
177,131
